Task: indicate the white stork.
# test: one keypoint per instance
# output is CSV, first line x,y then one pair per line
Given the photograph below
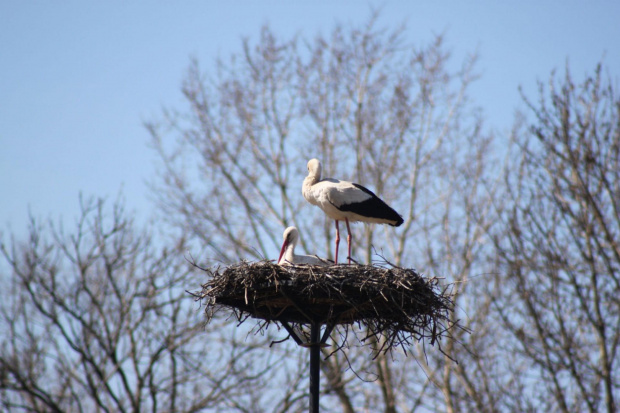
x,y
287,253
346,201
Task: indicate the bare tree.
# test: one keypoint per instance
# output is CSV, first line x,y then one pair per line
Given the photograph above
x,y
97,319
558,288
375,110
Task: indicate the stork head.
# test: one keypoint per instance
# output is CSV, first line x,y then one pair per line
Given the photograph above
x,y
291,235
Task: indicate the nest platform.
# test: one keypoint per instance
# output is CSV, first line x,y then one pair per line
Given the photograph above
x,y
397,303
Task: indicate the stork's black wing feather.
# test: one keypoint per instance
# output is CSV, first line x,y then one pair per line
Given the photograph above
x,y
373,207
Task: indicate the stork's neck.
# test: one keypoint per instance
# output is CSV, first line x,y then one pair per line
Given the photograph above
x,y
306,188
309,181
289,255
312,178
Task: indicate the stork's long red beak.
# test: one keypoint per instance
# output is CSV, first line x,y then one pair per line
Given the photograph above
x,y
284,244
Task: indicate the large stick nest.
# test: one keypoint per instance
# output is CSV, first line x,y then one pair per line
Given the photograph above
x,y
395,303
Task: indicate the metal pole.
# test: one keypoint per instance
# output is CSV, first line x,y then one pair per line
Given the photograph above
x,y
315,371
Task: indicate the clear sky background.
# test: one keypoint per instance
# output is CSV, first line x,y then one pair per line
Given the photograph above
x,y
78,79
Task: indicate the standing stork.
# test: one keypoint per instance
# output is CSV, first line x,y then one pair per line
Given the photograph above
x,y
287,253
346,201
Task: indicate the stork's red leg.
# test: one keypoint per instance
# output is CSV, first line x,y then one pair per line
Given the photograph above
x,y
337,241
348,238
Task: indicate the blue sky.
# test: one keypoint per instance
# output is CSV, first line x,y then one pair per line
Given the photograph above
x,y
79,79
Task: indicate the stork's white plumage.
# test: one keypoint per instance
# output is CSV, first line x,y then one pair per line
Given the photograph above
x,y
346,201
287,253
